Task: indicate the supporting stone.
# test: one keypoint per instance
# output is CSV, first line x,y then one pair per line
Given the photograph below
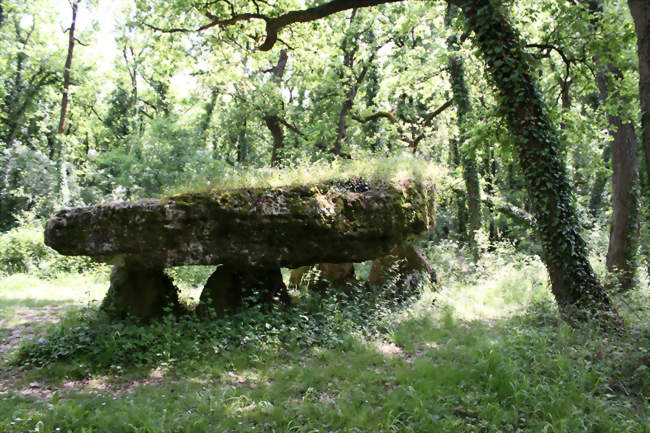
x,y
140,293
230,289
323,275
402,267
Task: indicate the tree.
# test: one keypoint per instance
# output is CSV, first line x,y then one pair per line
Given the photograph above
x,y
272,120
640,10
74,6
467,155
624,229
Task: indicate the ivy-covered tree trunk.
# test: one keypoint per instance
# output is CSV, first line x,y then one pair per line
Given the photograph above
x,y
467,156
242,145
598,188
573,282
207,115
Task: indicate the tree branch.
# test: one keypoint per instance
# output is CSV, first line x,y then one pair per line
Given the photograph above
x,y
516,214
374,116
275,24
430,116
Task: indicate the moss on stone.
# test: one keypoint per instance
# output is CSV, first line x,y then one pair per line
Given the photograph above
x,y
339,221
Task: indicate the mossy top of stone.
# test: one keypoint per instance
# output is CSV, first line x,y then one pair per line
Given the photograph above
x,y
341,220
392,170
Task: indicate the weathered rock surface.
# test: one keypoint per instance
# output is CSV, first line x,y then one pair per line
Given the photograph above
x,y
141,293
229,289
402,267
323,275
249,228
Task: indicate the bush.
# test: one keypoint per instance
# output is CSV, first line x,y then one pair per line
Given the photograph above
x,y
30,182
22,250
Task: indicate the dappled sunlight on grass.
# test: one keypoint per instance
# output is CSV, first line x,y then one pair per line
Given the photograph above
x,y
483,352
503,282
441,374
80,288
23,298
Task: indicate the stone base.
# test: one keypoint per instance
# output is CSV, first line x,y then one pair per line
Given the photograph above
x,y
402,267
230,290
325,275
143,294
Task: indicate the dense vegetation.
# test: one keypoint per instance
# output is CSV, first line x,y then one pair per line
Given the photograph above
x,y
532,116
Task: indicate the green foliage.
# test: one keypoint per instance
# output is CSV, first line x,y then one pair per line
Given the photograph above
x,y
22,251
30,182
88,341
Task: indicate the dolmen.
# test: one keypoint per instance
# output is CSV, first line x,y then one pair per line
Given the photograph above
x,y
250,232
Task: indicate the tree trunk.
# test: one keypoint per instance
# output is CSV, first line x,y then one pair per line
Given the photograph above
x,y
272,121
68,66
207,116
341,130
242,145
597,190
490,170
468,156
277,132
461,205
640,10
624,229
573,282
349,53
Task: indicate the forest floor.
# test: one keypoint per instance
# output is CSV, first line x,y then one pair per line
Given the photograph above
x,y
485,351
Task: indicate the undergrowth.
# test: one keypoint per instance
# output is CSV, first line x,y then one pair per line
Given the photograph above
x,y
487,352
87,342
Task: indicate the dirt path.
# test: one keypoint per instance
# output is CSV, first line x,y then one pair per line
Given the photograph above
x,y
31,322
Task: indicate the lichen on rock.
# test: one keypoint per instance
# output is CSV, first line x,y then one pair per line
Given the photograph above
x,y
250,227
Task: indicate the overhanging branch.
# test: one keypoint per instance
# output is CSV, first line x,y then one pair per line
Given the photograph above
x,y
275,24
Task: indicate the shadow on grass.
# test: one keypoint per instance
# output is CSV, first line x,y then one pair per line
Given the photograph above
x,y
427,373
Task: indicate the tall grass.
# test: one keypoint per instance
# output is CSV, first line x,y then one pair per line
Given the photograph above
x,y
389,169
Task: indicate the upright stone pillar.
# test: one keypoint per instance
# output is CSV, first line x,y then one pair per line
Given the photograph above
x,y
230,290
141,293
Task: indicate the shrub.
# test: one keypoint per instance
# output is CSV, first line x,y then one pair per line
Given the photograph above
x,y
22,250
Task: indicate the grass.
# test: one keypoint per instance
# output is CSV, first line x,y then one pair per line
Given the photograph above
x,y
389,169
485,352
22,295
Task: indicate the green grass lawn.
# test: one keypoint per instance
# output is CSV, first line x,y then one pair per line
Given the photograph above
x,y
484,352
